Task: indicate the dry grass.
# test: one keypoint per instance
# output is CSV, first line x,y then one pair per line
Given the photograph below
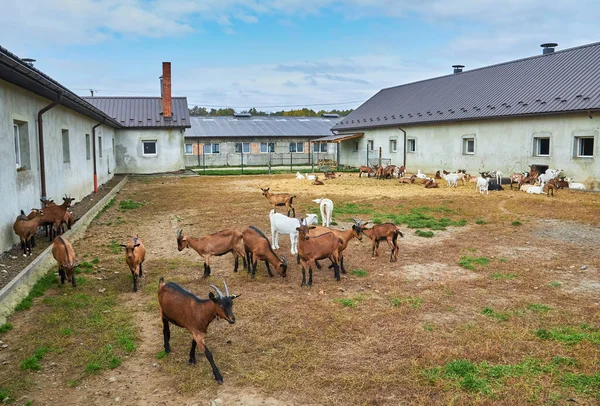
x,y
423,330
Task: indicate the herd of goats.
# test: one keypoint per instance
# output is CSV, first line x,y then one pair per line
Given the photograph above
x,y
533,182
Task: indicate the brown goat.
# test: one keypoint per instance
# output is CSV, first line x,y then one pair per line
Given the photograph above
x,y
280,199
135,254
316,182
365,169
431,184
388,232
405,179
311,249
258,247
64,254
184,309
26,230
54,215
551,186
217,244
344,235
331,175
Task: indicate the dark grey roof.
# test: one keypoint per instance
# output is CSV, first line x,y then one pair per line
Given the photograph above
x,y
559,82
14,70
260,126
143,112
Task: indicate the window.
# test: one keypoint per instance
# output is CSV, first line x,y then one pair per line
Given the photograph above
x,y
65,146
541,146
149,147
297,147
242,147
88,153
189,149
370,145
585,147
468,145
17,145
393,145
21,140
100,147
113,144
267,147
211,148
320,147
355,146
411,145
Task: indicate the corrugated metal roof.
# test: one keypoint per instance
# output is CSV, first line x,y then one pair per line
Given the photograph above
x,y
16,71
143,112
260,126
563,81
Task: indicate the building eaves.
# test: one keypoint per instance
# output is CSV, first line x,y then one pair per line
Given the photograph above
x,y
14,70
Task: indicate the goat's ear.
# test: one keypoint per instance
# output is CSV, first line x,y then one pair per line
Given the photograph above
x,y
365,223
297,228
123,245
212,297
235,296
136,245
312,227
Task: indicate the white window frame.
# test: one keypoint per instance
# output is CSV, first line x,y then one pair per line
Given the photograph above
x,y
211,148
371,145
155,153
297,150
191,147
17,140
579,146
412,141
242,147
267,147
536,146
66,147
88,148
393,145
465,147
100,147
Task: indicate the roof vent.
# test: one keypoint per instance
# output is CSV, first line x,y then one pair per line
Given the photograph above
x,y
29,61
548,47
458,68
242,115
330,115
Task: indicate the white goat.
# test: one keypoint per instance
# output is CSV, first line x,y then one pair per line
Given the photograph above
x,y
299,176
281,224
326,207
575,185
536,190
310,177
548,175
498,176
482,185
420,175
451,178
526,186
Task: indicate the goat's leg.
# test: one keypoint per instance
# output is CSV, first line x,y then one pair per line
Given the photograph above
x,y
134,281
192,359
141,271
342,264
73,283
392,247
199,337
236,258
303,277
206,267
33,240
61,274
310,275
166,335
269,269
23,246
317,264
254,263
248,261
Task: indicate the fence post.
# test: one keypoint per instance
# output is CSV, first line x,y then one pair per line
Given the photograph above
x,y
269,160
291,161
337,148
203,162
242,158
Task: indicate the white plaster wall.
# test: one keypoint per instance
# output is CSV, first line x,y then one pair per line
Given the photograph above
x,y
504,145
169,151
22,190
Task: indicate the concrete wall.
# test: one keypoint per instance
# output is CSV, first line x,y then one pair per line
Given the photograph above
x,y
228,157
504,145
21,189
130,155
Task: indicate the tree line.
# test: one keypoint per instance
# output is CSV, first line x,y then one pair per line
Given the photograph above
x,y
304,112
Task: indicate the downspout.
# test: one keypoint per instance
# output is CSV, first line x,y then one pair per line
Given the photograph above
x,y
404,164
94,153
41,142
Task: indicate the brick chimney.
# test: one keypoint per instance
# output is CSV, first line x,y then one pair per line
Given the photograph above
x,y
167,106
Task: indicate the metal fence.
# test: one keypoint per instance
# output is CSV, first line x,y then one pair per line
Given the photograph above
x,y
272,159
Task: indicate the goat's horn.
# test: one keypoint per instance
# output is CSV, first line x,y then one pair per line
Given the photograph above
x,y
179,233
226,288
216,289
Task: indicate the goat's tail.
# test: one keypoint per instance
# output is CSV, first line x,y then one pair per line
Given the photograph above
x,y
161,283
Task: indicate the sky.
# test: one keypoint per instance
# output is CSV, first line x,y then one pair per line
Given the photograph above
x,y
280,54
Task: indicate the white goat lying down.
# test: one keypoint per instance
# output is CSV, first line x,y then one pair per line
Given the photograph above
x,y
326,207
282,224
299,175
536,190
482,185
310,177
575,185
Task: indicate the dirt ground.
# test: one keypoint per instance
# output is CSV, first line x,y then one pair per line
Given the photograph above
x,y
13,261
381,336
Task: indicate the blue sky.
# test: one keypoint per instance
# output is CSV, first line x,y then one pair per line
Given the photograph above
x,y
281,53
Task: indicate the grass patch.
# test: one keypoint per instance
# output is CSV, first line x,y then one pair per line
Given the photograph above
x,y
480,221
6,327
105,358
414,302
161,354
96,261
516,223
126,340
359,272
425,234
33,363
570,335
115,247
504,276
4,395
37,291
473,263
108,205
354,208
555,284
419,218
65,331
125,205
85,267
349,302
539,308
583,383
428,327
72,383
488,311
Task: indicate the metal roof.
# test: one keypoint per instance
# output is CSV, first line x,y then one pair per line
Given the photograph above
x,y
340,137
260,126
16,71
558,82
143,112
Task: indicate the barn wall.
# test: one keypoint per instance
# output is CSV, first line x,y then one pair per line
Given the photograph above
x,y
130,156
